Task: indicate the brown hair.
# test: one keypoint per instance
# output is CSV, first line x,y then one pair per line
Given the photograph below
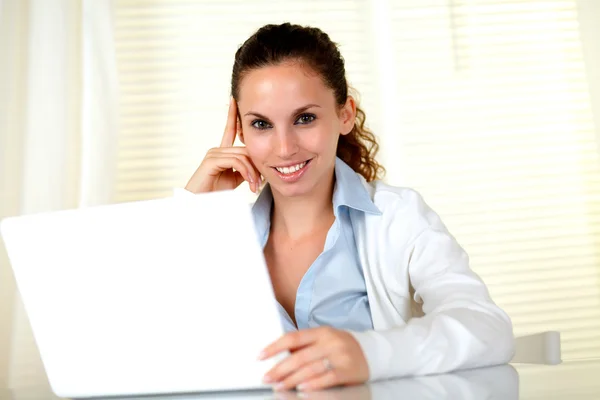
x,y
275,44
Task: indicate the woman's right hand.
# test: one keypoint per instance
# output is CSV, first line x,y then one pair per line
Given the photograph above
x,y
225,167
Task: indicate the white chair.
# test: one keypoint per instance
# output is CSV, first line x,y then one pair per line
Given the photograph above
x,y
539,348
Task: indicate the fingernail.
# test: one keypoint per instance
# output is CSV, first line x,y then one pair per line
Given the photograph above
x,y
262,355
267,379
301,387
280,386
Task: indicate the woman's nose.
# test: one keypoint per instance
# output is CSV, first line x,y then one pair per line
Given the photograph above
x,y
287,144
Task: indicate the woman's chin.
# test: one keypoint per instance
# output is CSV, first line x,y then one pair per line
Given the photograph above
x,y
297,189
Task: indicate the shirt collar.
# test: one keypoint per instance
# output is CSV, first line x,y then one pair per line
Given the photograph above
x,y
261,210
349,191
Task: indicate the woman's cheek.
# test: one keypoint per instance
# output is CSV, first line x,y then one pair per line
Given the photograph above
x,y
258,150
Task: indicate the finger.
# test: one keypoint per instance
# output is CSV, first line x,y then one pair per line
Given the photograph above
x,y
303,374
242,168
252,175
290,341
239,179
296,361
229,150
222,164
229,134
323,381
238,150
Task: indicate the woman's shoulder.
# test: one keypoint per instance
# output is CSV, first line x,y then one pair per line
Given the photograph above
x,y
384,192
388,197
402,204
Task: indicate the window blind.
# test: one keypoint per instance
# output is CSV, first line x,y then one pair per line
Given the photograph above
x,y
497,133
483,106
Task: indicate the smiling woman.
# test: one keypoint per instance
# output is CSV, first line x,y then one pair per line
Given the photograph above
x,y
302,125
486,108
323,62
347,254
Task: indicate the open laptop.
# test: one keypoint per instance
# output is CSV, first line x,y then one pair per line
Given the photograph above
x,y
159,296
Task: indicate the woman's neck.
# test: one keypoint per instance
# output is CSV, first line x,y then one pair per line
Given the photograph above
x,y
297,217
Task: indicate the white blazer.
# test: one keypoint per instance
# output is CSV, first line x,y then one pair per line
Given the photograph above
x,y
431,313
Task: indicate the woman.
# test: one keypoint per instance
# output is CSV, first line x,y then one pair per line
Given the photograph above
x,y
369,280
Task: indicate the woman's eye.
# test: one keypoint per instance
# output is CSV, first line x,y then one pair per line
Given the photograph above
x,y
305,119
261,124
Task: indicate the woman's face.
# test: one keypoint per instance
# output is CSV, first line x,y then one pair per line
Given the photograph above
x,y
291,125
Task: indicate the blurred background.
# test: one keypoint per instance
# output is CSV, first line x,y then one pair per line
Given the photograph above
x,y
489,108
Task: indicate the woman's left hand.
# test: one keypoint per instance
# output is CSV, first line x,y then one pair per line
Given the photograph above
x,y
320,358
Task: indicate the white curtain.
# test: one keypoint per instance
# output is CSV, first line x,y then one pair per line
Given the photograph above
x,y
57,130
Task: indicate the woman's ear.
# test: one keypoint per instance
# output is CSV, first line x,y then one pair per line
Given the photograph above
x,y
348,116
238,130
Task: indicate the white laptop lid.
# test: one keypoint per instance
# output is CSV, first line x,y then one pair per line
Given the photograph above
x,y
160,296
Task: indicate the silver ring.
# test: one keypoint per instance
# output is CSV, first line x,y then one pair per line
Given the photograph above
x,y
327,364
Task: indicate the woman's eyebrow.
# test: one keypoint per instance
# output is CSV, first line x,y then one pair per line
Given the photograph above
x,y
295,112
304,108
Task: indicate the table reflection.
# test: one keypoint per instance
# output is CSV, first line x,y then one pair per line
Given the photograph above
x,y
501,382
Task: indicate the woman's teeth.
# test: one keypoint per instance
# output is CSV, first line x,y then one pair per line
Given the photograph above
x,y
292,169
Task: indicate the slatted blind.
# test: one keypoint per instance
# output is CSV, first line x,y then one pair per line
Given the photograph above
x,y
497,134
483,106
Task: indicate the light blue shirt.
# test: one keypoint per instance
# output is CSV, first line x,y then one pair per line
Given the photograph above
x,y
332,292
